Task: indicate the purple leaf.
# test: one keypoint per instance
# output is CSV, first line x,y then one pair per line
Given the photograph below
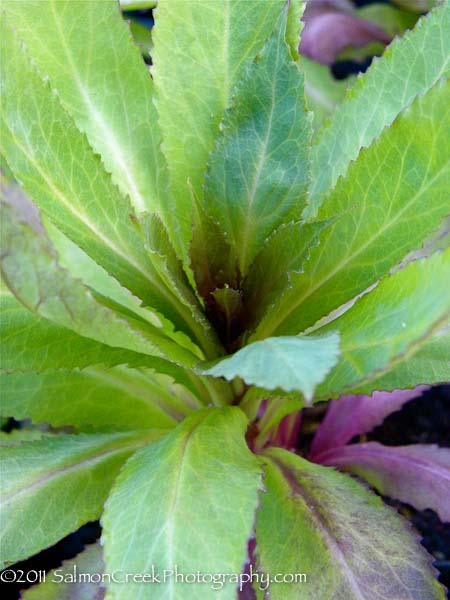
x,y
327,34
418,474
354,415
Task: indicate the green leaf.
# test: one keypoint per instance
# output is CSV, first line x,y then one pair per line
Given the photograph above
x,y
284,253
33,343
392,198
91,62
258,172
50,487
30,267
201,51
378,98
389,323
119,398
56,166
170,270
81,266
137,4
30,343
289,363
429,363
323,92
350,546
176,498
388,18
60,585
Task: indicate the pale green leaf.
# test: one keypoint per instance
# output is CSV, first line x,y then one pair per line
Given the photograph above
x,y
429,363
119,398
67,582
137,4
394,196
289,363
389,323
86,51
52,486
176,499
349,545
201,50
411,65
31,270
258,172
56,166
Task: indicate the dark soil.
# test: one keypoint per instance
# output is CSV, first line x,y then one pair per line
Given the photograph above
x,y
425,420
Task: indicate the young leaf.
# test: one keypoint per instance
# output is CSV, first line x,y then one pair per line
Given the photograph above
x,y
289,363
284,253
109,94
52,486
351,546
378,98
258,171
429,363
176,498
201,50
56,166
170,270
59,584
388,323
394,195
353,415
120,398
417,474
30,267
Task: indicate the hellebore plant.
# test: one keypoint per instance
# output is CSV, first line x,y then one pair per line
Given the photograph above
x,y
203,266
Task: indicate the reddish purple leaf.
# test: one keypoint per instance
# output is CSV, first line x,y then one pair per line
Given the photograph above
x,y
327,34
354,415
417,474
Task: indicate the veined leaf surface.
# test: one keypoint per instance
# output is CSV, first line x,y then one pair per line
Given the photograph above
x,y
86,51
393,197
258,171
378,98
57,167
418,474
389,322
289,363
350,545
429,363
52,486
30,267
118,398
172,495
216,40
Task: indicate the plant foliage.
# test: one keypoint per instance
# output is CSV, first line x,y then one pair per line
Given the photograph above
x,y
202,266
